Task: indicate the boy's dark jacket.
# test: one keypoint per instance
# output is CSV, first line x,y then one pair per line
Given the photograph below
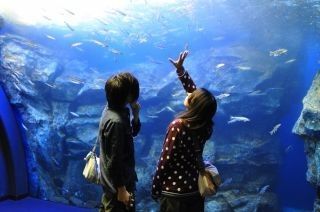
x,y
117,161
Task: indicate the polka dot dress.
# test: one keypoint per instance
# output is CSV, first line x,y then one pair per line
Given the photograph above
x,y
177,171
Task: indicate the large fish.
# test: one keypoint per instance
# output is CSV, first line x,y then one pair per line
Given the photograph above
x,y
234,119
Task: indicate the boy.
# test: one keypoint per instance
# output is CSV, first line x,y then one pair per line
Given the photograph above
x,y
117,164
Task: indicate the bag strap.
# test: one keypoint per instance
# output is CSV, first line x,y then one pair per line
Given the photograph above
x,y
98,138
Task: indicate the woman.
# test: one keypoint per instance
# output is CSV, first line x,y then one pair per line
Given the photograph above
x,y
176,179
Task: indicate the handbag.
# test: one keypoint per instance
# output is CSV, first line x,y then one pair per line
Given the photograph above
x,y
91,171
209,180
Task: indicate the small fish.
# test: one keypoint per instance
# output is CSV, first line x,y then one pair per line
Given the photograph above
x,y
46,17
69,11
244,68
155,61
153,117
49,85
24,127
275,129
120,12
218,38
278,52
186,47
178,93
160,46
30,82
256,93
264,189
99,43
220,65
68,25
74,114
50,37
288,149
68,35
142,40
55,161
234,119
165,108
17,87
223,95
114,51
227,182
101,21
290,61
75,80
76,44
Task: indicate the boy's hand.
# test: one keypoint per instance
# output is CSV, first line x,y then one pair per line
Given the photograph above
x,y
135,108
123,196
179,63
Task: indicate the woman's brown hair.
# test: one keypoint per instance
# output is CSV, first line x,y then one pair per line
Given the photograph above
x,y
202,107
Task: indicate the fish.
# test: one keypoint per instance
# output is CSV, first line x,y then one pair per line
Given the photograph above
x,y
290,61
68,25
30,82
114,51
223,95
74,114
17,87
226,182
142,40
75,80
50,37
24,127
234,119
101,21
275,129
120,12
178,93
288,149
218,38
150,59
160,46
99,43
220,65
264,189
49,85
46,17
244,68
76,44
186,47
153,117
69,11
278,52
256,93
165,108
68,35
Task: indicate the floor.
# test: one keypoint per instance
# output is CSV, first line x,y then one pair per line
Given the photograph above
x,y
29,204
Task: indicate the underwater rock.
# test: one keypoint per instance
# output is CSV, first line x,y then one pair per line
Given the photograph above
x,y
308,127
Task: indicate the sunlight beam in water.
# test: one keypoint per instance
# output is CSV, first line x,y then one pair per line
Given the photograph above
x,y
70,12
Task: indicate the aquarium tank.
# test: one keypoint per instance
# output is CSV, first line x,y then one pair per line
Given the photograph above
x,y
260,58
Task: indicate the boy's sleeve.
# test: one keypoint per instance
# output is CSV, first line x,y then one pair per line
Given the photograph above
x,y
186,80
168,150
136,126
117,139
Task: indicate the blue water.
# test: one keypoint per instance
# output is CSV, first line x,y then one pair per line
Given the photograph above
x,y
214,32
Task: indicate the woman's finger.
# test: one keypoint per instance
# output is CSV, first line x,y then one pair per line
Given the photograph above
x,y
172,61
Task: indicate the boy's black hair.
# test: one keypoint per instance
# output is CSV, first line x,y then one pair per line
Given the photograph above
x,y
119,87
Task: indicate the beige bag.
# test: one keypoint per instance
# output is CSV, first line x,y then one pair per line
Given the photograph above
x,y
209,182
91,170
